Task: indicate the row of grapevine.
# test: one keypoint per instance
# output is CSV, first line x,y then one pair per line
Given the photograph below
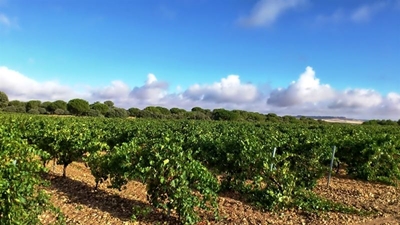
x,y
185,164
22,200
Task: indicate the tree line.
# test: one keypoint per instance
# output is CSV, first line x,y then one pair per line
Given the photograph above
x,y
81,107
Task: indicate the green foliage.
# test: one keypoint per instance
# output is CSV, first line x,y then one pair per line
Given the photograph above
x,y
109,103
380,122
177,111
34,111
45,104
78,106
134,112
59,104
11,109
59,112
16,106
196,115
170,173
94,113
33,104
373,158
157,110
100,107
117,113
3,99
22,200
42,110
223,114
180,160
310,202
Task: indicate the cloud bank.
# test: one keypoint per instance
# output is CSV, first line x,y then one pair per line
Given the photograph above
x,y
305,96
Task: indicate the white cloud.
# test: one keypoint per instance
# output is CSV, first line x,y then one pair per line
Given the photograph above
x,y
151,92
4,20
116,90
228,90
307,89
390,106
18,86
365,12
357,98
306,96
266,12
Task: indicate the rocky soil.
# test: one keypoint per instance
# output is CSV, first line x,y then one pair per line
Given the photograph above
x,y
76,198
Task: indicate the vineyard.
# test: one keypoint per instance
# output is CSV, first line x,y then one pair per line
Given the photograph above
x,y
187,165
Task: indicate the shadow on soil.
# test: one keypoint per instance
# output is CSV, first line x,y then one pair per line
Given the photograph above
x,y
81,193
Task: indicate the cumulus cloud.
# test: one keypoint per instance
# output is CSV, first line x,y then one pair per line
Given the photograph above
x,y
391,104
152,91
266,12
307,89
228,90
117,89
305,96
357,98
21,87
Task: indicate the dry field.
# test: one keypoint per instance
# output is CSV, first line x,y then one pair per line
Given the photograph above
x,y
344,121
82,205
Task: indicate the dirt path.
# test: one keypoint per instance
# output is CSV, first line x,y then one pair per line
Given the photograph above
x,y
82,205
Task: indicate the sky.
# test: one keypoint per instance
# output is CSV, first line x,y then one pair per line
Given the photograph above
x,y
289,57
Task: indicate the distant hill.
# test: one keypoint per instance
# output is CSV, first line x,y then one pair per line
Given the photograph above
x,y
334,119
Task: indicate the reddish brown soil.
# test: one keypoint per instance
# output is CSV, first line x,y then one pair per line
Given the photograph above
x,y
76,198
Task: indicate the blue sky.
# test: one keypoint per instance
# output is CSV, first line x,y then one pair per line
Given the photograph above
x,y
138,52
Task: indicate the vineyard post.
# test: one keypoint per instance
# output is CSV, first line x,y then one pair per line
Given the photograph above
x,y
273,156
331,166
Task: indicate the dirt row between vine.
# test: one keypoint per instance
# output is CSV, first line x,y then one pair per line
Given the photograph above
x,y
76,198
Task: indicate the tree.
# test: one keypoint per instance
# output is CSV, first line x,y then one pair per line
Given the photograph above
x,y
163,110
94,113
290,119
135,112
3,99
100,107
196,115
223,114
78,106
198,109
17,106
34,111
10,108
59,104
33,104
272,117
45,104
59,112
117,113
155,112
109,103
177,111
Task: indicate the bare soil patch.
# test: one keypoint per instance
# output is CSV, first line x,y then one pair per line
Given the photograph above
x,y
79,202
